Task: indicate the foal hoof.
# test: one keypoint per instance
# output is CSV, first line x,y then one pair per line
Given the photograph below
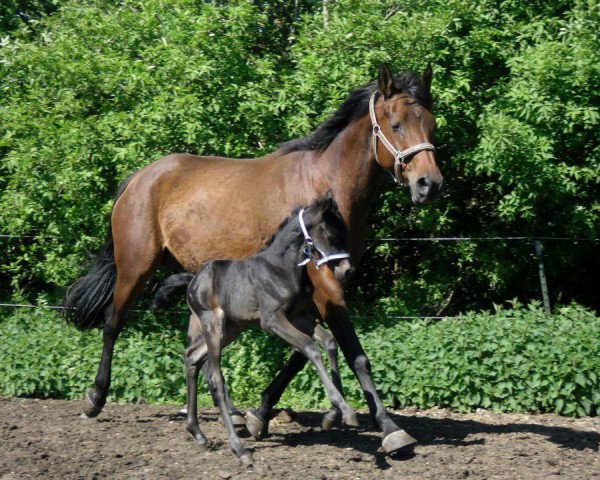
x,y
238,420
351,420
246,459
91,409
329,419
398,440
257,427
203,444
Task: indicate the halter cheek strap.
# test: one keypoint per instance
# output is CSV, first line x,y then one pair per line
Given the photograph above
x,y
310,245
400,156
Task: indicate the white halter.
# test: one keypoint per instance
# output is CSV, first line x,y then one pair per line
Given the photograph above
x,y
400,156
310,245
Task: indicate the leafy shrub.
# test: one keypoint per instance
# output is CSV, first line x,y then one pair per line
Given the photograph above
x,y
516,360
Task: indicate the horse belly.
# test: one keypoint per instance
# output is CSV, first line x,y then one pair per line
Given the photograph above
x,y
211,227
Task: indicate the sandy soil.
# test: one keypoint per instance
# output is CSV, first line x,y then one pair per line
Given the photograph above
x,y
51,439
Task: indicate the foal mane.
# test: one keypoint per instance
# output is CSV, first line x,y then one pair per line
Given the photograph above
x,y
281,226
353,108
336,213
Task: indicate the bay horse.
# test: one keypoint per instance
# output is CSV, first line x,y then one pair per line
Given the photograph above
x,y
196,209
271,288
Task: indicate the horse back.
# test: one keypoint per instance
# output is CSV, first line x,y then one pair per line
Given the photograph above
x,y
204,208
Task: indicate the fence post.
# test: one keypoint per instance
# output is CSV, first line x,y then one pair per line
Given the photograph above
x,y
542,274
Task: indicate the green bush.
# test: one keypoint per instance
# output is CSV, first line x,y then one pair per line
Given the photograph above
x,y
516,360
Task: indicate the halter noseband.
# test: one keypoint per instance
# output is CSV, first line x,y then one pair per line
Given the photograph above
x,y
310,245
400,156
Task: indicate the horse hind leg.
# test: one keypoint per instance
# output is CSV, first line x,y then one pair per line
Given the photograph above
x,y
327,341
130,280
237,417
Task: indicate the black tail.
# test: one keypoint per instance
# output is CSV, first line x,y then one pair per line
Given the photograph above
x,y
168,286
87,299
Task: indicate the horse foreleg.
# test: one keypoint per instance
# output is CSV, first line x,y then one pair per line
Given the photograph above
x,y
329,299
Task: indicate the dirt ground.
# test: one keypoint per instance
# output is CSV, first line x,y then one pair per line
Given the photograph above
x,y
52,439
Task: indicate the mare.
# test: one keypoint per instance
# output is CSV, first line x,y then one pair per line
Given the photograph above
x,y
196,209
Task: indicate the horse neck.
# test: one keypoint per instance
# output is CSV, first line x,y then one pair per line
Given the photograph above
x,y
349,168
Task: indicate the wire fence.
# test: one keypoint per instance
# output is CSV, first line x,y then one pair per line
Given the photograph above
x,y
537,242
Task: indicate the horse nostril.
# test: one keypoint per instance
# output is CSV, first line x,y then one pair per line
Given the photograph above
x,y
423,182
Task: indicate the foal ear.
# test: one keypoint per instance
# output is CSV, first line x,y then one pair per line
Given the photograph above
x,y
386,80
427,77
328,204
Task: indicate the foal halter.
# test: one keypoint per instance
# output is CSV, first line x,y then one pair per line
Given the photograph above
x,y
310,245
400,156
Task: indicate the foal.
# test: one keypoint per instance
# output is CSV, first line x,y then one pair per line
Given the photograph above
x,y
271,288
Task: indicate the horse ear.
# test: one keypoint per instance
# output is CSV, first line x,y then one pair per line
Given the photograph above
x,y
427,77
386,80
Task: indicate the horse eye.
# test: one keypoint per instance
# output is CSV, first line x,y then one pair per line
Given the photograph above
x,y
396,127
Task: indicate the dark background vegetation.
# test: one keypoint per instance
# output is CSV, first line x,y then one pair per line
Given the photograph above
x,y
93,90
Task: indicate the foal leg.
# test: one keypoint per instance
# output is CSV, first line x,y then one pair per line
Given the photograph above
x,y
257,419
329,298
278,324
195,359
213,333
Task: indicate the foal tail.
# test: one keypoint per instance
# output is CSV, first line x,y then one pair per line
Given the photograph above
x,y
168,286
87,299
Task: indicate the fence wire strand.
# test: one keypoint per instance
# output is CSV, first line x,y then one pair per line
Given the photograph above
x,y
186,312
370,240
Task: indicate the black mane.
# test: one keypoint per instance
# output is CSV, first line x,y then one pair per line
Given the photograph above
x,y
354,107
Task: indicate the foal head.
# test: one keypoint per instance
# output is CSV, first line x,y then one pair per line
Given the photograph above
x,y
327,229
403,112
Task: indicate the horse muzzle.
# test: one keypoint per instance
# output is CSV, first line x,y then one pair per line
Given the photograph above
x,y
343,270
426,188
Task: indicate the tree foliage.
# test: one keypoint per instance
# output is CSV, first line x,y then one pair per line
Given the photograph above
x,y
93,90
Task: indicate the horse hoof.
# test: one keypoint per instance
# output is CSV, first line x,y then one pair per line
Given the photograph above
x,y
238,420
246,459
203,445
257,427
329,420
398,440
351,420
90,409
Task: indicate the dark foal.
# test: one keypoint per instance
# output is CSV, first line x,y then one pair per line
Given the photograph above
x,y
257,422
271,288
